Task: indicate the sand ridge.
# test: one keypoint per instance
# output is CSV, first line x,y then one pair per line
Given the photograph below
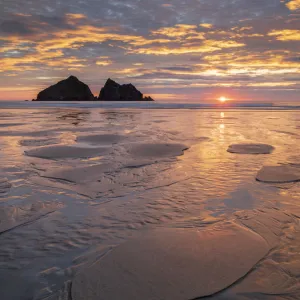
x,y
11,124
172,264
64,151
5,186
102,139
250,148
80,174
278,174
39,142
157,150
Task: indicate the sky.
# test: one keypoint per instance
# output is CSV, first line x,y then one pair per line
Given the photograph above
x,y
179,50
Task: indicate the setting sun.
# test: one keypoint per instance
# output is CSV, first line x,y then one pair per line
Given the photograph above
x,y
223,99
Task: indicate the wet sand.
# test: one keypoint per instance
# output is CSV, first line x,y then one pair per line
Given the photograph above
x,y
149,204
250,148
172,264
279,174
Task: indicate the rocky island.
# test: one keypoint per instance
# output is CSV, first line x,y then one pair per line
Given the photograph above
x,y
112,91
72,89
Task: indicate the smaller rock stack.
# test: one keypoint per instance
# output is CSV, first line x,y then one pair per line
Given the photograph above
x,y
112,91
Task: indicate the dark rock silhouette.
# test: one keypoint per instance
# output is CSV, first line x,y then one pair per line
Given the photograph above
x,y
70,89
112,91
148,98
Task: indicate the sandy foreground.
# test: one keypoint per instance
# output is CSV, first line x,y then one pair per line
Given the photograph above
x,y
119,204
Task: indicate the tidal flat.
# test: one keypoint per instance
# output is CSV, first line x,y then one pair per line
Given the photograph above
x,y
145,204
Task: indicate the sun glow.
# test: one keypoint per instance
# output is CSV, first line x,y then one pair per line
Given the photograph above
x,y
223,99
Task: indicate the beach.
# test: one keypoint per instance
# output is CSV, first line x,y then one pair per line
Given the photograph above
x,y
83,188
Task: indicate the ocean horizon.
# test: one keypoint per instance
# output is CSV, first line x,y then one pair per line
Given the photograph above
x,y
151,105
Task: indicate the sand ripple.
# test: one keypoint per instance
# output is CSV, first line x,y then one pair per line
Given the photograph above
x,y
11,124
15,216
38,142
4,187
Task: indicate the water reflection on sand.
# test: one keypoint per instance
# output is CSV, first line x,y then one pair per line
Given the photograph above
x,y
99,199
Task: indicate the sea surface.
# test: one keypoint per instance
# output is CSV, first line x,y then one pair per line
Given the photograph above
x,y
54,221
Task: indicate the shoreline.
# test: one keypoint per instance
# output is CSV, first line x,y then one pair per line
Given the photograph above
x,y
143,105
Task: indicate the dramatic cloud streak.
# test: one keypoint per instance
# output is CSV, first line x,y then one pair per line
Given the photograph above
x,y
249,49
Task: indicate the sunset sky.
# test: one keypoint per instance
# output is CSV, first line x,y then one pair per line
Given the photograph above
x,y
179,50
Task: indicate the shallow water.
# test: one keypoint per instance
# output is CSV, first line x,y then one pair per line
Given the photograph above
x,y
53,220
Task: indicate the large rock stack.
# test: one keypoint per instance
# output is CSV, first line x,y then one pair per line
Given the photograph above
x,y
70,89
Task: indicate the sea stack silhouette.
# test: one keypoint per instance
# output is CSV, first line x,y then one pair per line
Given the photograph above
x,y
112,91
70,89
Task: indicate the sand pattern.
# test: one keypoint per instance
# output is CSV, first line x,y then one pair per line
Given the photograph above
x,y
172,264
154,150
279,174
5,186
223,261
251,149
14,216
63,151
37,133
10,124
107,179
89,181
39,142
102,139
277,274
80,174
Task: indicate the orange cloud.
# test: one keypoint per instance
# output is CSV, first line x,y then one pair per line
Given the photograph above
x,y
104,61
293,5
206,46
49,46
178,30
231,84
286,34
206,25
29,61
75,16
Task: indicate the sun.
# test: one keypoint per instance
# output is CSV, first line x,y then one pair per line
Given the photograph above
x,y
223,99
